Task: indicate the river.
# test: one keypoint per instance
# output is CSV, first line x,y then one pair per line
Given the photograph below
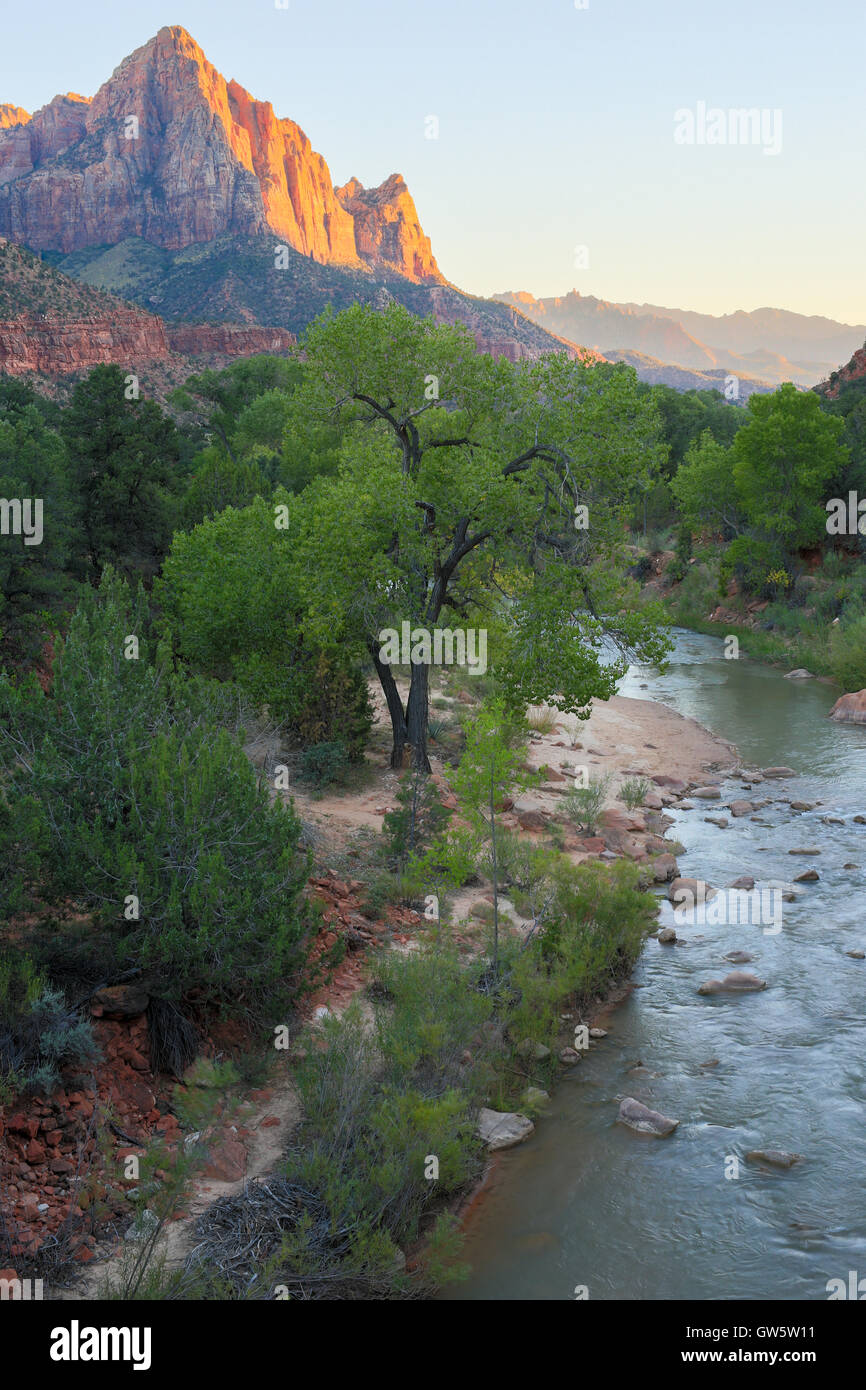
x,y
586,1203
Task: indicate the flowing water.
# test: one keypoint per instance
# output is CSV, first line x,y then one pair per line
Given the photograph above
x,y
587,1202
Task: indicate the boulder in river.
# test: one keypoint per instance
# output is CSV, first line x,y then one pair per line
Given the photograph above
x,y
777,1157
707,793
856,955
807,849
745,881
502,1129
741,808
642,1120
685,892
850,709
738,982
667,936
720,821
810,876
779,772
801,674
738,957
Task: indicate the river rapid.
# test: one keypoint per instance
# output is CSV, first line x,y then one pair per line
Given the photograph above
x,y
586,1202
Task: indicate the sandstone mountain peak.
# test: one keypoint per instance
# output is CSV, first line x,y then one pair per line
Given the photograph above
x,y
169,151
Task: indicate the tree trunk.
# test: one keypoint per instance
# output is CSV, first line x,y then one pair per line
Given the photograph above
x,y
495,867
417,711
399,732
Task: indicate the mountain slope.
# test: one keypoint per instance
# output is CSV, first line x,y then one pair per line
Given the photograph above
x,y
54,326
236,279
170,152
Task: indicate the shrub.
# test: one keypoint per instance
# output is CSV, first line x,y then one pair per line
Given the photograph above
x,y
585,804
149,817
543,720
39,1033
323,764
848,654
634,791
418,817
594,933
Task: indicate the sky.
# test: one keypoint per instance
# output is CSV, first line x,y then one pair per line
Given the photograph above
x,y
575,145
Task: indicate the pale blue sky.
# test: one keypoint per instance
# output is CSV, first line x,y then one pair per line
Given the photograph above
x,y
556,129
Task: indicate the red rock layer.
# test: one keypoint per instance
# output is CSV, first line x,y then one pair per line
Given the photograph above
x,y
32,343
235,339
130,337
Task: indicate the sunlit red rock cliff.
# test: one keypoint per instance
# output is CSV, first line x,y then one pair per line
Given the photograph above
x,y
168,151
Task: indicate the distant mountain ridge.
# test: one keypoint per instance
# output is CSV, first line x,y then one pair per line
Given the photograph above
x,y
768,345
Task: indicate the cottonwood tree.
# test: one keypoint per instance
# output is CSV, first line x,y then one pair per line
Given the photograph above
x,y
471,490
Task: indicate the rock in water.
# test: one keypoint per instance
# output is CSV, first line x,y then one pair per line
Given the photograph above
x,y
850,709
642,1120
738,957
690,891
502,1129
779,772
777,1157
738,982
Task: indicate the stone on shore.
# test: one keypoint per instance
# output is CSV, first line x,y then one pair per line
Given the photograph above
x,y
534,1096
642,1120
707,793
665,867
502,1129
532,1051
738,982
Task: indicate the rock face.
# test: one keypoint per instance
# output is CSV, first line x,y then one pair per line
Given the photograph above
x,y
850,709
12,115
640,1118
387,230
170,152
236,339
129,337
31,343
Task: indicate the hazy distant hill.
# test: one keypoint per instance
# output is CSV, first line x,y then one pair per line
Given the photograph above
x,y
767,345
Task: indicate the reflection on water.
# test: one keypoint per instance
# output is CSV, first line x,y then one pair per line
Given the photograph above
x,y
585,1201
